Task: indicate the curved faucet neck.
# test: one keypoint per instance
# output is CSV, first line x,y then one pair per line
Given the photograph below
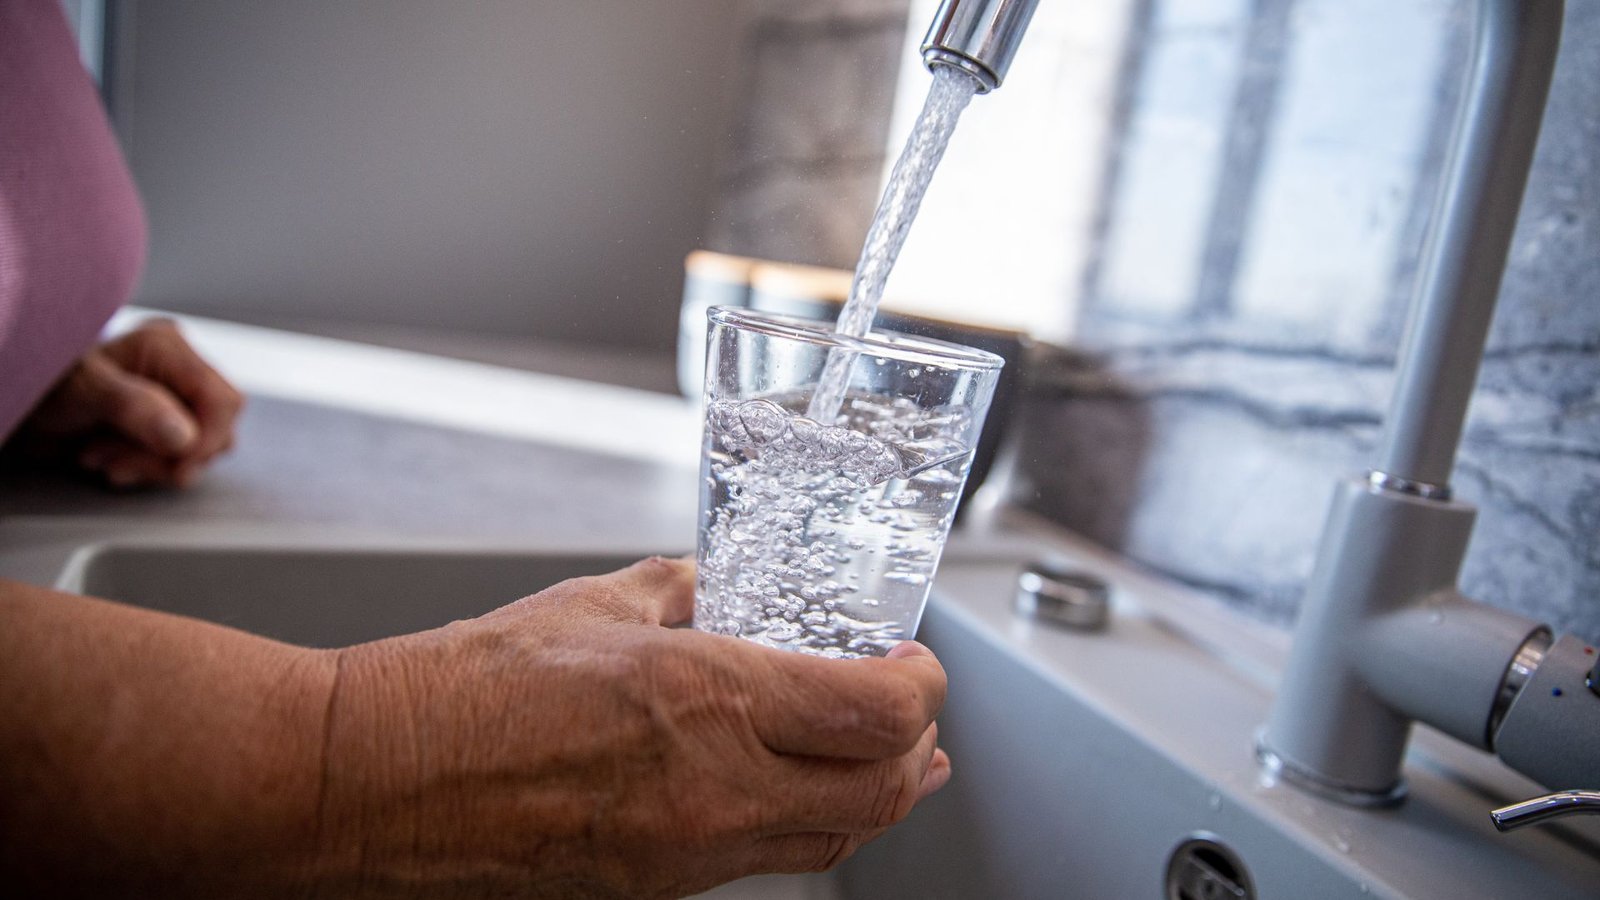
x,y
1474,217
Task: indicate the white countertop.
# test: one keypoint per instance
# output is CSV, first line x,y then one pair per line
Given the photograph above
x,y
446,393
351,439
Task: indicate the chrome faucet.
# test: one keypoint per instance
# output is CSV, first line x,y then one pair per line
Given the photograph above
x,y
1384,638
979,37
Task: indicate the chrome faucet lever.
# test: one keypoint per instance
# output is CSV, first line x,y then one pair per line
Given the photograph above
x,y
1543,809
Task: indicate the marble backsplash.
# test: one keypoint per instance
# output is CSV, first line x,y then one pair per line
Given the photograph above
x,y
1203,436
1198,424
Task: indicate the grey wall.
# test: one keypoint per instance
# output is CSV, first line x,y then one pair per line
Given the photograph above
x,y
530,167
799,179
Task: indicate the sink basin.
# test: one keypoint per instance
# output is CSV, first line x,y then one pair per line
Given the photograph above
x,y
321,596
1082,760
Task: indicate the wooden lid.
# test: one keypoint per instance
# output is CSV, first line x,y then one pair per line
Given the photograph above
x,y
805,282
720,266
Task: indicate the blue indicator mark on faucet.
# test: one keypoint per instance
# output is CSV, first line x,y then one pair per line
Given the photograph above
x,y
1555,692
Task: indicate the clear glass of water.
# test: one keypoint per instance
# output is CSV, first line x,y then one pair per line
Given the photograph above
x,y
822,519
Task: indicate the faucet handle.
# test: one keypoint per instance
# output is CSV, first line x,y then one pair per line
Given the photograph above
x,y
1550,806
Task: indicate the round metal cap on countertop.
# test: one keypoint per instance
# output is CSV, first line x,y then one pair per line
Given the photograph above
x,y
1064,596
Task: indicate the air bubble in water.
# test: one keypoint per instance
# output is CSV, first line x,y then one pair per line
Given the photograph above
x,y
788,525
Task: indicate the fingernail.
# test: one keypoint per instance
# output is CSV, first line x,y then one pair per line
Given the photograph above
x,y
176,433
936,778
908,648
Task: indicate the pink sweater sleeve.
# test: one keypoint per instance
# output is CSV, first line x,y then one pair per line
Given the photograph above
x,y
72,231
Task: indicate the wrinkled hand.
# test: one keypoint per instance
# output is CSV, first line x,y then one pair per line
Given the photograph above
x,y
568,745
143,410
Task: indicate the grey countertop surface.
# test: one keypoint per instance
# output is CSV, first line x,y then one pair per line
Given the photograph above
x,y
639,368
310,469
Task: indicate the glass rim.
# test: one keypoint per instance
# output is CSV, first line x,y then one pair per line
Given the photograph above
x,y
890,344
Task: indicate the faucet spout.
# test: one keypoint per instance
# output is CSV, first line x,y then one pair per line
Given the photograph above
x,y
979,37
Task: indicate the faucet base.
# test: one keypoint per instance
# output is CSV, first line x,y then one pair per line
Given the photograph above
x,y
1276,768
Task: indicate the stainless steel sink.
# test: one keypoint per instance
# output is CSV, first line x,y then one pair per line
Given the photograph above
x,y
318,595
1082,760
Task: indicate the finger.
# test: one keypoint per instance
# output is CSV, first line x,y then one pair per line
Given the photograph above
x,y
938,775
136,475
653,591
858,709
124,464
817,851
157,350
185,473
906,649
849,796
139,409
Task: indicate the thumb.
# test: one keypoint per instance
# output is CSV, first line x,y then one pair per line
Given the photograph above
x,y
140,408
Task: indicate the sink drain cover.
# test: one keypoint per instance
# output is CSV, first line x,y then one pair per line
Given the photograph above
x,y
1204,868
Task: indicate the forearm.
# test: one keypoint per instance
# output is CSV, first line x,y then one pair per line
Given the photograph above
x,y
143,753
563,745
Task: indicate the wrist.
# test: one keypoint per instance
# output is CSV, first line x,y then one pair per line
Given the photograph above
x,y
266,833
369,775
417,800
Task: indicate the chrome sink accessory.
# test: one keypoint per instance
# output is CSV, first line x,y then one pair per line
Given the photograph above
x,y
1527,661
1543,809
979,37
1063,596
1204,868
1384,481
1551,730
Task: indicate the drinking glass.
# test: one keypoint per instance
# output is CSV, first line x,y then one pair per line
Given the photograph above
x,y
822,522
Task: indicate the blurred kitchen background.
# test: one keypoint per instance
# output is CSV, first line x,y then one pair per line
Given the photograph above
x,y
1206,212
